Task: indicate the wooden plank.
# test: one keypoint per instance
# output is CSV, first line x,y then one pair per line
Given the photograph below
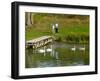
x,y
38,42
38,39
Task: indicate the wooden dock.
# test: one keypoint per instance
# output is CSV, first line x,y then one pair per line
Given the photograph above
x,y
38,42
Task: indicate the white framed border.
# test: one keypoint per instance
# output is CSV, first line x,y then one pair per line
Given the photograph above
x,y
52,70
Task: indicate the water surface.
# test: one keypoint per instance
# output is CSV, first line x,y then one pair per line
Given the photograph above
x,y
56,55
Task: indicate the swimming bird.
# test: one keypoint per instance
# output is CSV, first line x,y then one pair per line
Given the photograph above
x,y
73,48
41,51
49,50
82,48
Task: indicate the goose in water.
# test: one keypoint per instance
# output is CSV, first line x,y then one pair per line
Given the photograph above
x,y
41,51
82,48
73,48
49,50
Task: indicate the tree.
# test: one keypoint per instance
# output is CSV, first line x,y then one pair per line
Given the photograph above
x,y
29,18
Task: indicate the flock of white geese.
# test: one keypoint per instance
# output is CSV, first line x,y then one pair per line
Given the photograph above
x,y
42,50
80,48
74,48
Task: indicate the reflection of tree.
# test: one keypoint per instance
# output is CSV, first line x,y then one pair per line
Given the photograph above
x,y
30,59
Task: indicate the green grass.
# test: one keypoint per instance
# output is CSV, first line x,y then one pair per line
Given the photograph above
x,y
71,30
73,34
35,33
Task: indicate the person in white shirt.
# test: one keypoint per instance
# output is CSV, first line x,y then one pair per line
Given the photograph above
x,y
53,28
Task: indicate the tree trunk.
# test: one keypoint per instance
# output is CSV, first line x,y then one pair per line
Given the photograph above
x,y
29,19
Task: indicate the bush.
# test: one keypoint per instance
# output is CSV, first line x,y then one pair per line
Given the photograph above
x,y
58,39
73,38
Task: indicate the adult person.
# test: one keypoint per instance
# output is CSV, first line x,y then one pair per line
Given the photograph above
x,y
56,27
53,28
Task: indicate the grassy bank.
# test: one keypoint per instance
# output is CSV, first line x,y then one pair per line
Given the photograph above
x,y
72,29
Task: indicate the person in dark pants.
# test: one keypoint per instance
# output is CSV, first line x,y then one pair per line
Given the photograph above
x,y
56,27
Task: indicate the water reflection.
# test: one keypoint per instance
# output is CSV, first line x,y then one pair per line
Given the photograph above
x,y
57,54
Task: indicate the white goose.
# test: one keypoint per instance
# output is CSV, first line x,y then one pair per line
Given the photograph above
x,y
49,50
41,51
82,48
73,48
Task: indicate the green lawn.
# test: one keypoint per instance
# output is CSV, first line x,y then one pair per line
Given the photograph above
x,y
72,30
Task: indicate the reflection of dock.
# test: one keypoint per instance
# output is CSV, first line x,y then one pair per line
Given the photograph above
x,y
38,42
